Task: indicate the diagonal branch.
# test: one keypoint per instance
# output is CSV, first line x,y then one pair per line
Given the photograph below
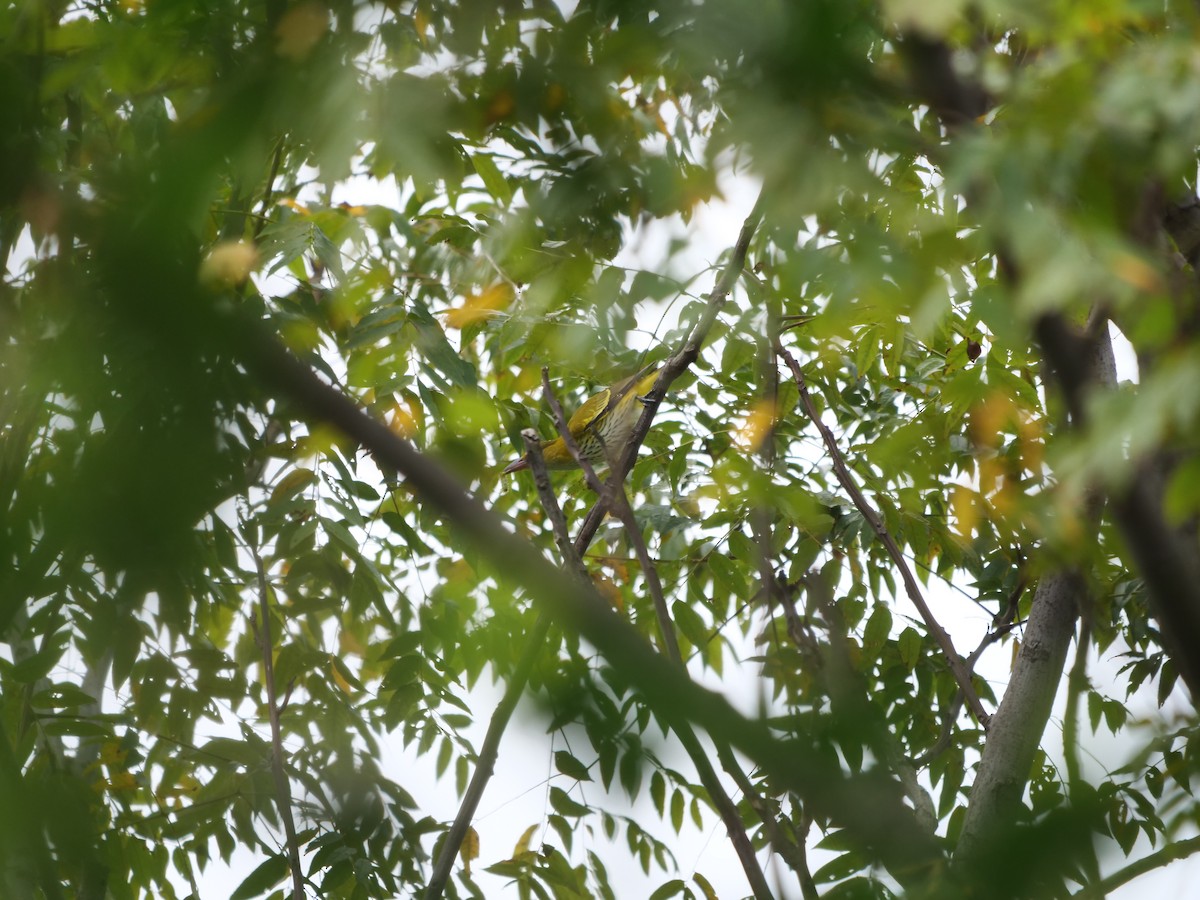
x,y
911,588
614,493
869,804
680,361
489,751
613,496
283,791
541,629
1156,860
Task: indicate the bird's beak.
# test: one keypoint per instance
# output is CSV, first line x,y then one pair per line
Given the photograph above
x,y
516,466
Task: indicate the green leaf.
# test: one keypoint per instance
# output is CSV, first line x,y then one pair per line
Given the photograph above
x,y
705,886
909,644
879,626
658,791
677,804
690,623
493,180
565,806
671,889
61,696
839,867
263,878
570,766
327,253
431,339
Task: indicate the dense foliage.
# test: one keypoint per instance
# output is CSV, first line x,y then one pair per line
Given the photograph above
x,y
226,601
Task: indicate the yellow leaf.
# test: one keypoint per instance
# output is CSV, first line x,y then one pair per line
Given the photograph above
x,y
500,107
758,425
300,30
1136,272
989,417
407,416
966,510
122,782
554,97
294,206
339,680
1030,442
522,851
421,24
609,591
112,754
479,306
229,263
469,849
348,642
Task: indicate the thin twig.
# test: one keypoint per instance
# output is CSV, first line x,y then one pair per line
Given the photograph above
x,y
791,853
490,749
953,660
760,525
614,491
618,502
283,792
558,521
683,359
263,218
489,752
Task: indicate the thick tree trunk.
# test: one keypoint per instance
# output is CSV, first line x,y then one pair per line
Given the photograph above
x,y
1017,727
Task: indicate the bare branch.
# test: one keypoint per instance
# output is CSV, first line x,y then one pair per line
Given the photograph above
x,y
613,495
911,588
558,522
489,752
683,358
1156,860
283,791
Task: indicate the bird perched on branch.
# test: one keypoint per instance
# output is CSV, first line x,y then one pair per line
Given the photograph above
x,y
601,427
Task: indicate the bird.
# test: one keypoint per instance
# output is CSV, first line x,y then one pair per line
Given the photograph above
x,y
603,425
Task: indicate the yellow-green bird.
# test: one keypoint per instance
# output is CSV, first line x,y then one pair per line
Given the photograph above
x,y
602,425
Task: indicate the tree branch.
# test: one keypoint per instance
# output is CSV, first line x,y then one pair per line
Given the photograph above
x,y
489,752
614,491
450,493
683,358
1156,860
283,791
911,588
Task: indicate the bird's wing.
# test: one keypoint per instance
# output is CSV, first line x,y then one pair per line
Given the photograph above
x,y
589,412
